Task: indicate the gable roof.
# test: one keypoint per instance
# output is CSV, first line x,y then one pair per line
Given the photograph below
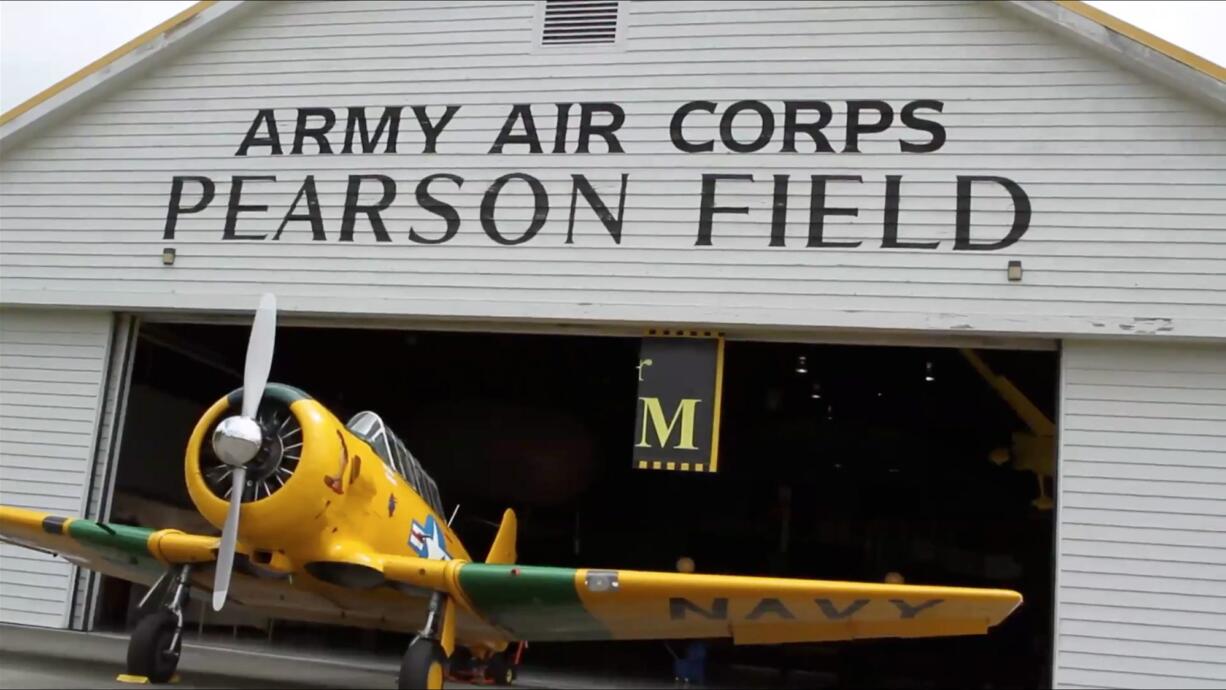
x,y
102,62
1130,45
136,53
1072,17
1145,38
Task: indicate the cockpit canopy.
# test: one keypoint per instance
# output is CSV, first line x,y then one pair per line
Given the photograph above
x,y
370,427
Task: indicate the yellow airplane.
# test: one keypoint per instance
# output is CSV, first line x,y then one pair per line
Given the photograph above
x,y
337,522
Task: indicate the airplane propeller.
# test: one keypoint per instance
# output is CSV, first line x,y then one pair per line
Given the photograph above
x,y
238,438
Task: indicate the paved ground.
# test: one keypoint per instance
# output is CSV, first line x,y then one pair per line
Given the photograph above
x,y
33,658
41,658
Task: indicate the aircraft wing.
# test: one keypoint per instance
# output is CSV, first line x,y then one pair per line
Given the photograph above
x,y
138,554
540,603
534,603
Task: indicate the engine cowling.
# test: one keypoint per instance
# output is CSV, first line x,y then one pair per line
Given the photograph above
x,y
278,498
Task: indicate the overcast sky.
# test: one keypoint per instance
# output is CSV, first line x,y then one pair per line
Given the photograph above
x,y
43,42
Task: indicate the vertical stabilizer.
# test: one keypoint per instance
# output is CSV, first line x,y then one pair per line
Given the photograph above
x,y
503,548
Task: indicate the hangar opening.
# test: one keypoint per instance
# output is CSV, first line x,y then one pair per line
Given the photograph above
x,y
838,462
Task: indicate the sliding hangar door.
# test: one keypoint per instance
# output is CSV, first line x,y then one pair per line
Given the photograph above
x,y
858,467
836,461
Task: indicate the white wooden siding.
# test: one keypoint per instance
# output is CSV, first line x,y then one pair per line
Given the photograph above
x,y
1141,575
52,365
1127,180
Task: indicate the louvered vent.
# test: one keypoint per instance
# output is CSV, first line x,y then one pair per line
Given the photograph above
x,y
575,22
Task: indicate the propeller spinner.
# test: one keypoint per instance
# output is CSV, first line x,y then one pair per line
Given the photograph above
x,y
238,438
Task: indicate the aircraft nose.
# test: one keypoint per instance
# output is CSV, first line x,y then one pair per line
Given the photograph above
x,y
237,440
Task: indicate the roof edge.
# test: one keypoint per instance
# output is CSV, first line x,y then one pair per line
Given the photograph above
x,y
1183,72
97,65
1187,57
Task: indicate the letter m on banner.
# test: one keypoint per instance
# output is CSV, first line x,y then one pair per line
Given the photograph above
x,y
680,382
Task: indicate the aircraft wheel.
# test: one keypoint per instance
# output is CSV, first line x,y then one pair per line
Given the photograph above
x,y
149,651
499,670
422,665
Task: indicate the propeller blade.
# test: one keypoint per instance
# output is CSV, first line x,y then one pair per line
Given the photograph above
x,y
229,537
259,354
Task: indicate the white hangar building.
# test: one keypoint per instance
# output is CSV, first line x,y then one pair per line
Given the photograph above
x,y
1003,223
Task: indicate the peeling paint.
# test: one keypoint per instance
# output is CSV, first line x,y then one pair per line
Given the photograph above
x,y
1139,325
1152,325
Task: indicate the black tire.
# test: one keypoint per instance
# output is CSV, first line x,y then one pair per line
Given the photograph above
x,y
148,653
499,670
422,665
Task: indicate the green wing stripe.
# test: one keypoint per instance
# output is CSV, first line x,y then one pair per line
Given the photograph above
x,y
119,543
531,602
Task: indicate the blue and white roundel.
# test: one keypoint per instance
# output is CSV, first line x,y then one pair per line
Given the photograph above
x,y
428,541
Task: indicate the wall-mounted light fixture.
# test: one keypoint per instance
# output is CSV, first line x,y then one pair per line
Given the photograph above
x,y
1015,271
168,256
800,365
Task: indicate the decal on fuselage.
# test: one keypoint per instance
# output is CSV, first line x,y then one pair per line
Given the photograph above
x,y
428,541
337,483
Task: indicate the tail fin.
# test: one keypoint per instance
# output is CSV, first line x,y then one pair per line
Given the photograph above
x,y
503,548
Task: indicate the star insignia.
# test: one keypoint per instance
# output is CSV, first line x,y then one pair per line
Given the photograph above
x,y
428,541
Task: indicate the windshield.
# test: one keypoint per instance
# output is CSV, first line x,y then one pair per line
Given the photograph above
x,y
370,427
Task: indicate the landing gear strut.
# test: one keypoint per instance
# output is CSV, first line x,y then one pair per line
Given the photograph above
x,y
433,654
425,662
153,649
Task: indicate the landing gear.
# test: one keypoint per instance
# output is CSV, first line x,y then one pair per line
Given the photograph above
x,y
422,665
155,644
432,656
425,662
